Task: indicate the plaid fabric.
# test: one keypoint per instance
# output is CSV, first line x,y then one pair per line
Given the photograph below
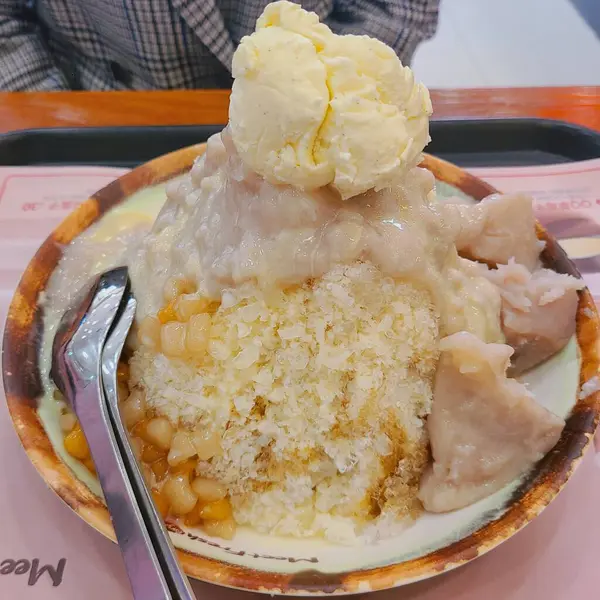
x,y
167,44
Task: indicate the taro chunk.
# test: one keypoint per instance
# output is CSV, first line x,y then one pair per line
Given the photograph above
x,y
485,429
499,228
538,312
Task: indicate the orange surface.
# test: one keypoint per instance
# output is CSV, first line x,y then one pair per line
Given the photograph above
x,y
79,109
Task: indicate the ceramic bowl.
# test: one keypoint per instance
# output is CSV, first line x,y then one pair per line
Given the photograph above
x,y
436,543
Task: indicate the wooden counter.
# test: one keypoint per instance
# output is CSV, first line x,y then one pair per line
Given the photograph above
x,y
86,109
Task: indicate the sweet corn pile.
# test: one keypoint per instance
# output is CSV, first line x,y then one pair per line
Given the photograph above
x,y
296,412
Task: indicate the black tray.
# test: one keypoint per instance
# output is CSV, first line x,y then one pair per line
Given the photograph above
x,y
468,143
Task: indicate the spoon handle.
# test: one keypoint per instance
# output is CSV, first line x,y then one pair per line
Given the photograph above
x,y
141,561
164,551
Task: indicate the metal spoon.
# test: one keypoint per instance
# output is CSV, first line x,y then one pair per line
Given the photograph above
x,y
111,354
106,313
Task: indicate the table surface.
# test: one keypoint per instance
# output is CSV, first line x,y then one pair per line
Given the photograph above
x,y
579,105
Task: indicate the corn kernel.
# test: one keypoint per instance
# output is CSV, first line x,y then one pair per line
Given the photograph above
x,y
76,444
181,449
185,468
191,304
149,333
139,429
67,421
176,286
213,307
133,409
207,443
198,333
172,339
222,529
208,490
193,517
180,495
158,432
137,447
161,502
160,468
132,342
216,511
147,474
167,313
151,453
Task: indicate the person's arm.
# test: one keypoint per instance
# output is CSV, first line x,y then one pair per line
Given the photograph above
x,y
401,24
25,63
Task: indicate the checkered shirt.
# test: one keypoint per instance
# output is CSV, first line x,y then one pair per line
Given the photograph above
x,y
168,44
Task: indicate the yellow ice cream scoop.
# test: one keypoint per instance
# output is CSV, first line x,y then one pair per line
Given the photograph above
x,y
311,108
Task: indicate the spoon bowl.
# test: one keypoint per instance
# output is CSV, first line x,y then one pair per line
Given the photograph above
x,y
81,334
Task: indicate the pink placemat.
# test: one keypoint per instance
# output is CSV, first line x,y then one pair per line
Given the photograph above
x,y
47,552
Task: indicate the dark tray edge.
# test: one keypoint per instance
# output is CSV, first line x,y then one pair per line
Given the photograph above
x,y
468,121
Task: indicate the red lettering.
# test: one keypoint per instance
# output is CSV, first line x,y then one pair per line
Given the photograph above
x,y
581,204
56,574
22,566
7,566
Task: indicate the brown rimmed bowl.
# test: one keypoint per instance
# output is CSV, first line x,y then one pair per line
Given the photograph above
x,y
255,562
